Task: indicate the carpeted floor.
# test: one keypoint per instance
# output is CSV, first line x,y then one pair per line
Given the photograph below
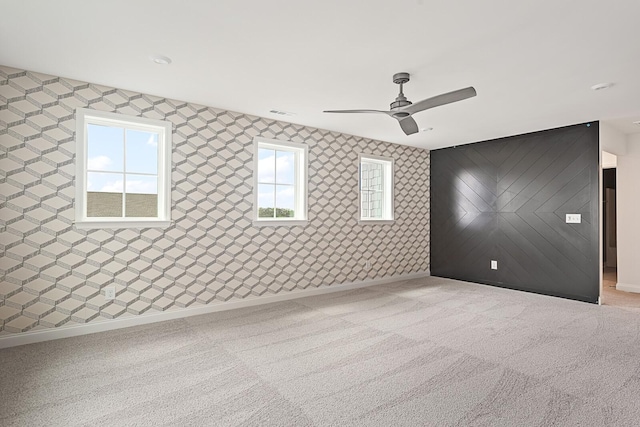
x,y
424,352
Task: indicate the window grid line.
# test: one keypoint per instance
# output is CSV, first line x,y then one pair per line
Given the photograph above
x,y
274,183
275,180
124,173
132,173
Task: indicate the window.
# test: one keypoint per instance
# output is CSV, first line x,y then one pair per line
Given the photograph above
x,y
280,183
123,171
376,189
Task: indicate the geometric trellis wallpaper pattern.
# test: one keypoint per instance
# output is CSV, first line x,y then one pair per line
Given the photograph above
x,y
52,274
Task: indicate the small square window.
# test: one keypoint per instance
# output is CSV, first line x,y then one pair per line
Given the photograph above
x,y
123,170
376,189
280,182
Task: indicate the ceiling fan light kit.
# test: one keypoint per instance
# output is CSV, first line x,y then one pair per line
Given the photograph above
x,y
402,109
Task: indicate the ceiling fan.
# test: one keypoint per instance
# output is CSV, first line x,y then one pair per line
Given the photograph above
x,y
402,109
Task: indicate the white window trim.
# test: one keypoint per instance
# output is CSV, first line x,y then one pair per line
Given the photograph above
x,y
389,182
301,181
86,116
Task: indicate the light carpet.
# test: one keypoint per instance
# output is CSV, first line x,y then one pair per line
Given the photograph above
x,y
422,352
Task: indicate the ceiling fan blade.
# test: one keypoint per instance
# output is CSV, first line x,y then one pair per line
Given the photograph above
x,y
408,125
445,98
356,111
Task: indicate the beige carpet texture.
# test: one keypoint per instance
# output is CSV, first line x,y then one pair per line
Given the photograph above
x,y
427,352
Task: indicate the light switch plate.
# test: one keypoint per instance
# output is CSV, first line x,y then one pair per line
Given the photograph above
x,y
574,218
494,264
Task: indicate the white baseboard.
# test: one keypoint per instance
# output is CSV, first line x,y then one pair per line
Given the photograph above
x,y
41,335
627,287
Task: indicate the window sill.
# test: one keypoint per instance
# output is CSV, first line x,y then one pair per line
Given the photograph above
x,y
88,225
376,221
280,223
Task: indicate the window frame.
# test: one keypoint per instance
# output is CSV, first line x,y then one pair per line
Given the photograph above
x,y
301,187
86,116
388,187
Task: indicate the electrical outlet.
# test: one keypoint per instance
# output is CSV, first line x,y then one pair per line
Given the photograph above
x,y
110,293
494,264
367,265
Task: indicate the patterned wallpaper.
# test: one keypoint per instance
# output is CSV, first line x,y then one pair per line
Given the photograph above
x,y
52,274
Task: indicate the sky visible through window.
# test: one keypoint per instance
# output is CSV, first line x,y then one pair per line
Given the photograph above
x,y
106,154
276,179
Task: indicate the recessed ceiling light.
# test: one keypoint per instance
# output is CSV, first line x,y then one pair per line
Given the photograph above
x,y
159,59
426,129
637,123
601,86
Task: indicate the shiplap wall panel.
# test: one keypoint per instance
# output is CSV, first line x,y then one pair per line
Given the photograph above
x,y
506,200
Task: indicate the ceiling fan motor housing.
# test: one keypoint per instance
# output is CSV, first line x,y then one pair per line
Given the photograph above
x,y
401,100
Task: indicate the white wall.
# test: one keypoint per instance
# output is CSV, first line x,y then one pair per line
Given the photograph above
x,y
609,160
628,205
612,140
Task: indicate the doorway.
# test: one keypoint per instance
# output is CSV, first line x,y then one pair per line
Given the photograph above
x,y
610,294
609,224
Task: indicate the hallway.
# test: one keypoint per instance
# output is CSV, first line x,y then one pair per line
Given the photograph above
x,y
612,296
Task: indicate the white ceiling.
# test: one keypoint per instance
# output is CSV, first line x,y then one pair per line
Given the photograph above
x,y
531,61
